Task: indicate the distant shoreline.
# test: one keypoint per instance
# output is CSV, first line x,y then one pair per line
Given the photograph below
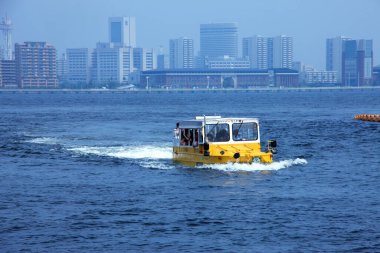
x,y
155,90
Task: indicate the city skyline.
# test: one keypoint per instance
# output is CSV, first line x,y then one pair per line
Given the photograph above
x,y
310,24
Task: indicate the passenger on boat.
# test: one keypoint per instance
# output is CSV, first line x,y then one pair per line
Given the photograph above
x,y
177,131
186,137
190,137
222,135
183,138
237,135
210,137
195,142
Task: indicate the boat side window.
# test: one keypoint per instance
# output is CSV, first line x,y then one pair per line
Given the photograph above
x,y
244,131
218,132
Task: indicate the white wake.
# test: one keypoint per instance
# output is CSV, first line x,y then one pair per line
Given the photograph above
x,y
139,152
151,156
44,140
230,167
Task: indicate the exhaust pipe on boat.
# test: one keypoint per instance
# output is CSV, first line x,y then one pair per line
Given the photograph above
x,y
206,147
272,146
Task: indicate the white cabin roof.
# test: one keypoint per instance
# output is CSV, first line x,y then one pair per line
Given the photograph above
x,y
198,122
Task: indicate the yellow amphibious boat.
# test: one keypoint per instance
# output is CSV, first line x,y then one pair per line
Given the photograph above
x,y
215,140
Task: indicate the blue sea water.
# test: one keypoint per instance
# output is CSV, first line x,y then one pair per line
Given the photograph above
x,y
93,173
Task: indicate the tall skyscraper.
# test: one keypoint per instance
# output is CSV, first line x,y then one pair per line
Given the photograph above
x,y
181,53
144,59
36,65
357,62
334,51
269,52
365,61
282,52
6,48
218,40
62,67
122,31
162,61
255,48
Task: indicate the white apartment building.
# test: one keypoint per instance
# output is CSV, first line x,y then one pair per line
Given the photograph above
x,y
282,51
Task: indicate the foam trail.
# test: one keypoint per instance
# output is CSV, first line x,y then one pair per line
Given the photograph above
x,y
155,164
44,140
139,152
255,166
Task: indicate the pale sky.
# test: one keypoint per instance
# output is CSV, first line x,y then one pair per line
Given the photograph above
x,y
82,23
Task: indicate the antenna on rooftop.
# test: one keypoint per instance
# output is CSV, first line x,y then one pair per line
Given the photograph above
x,y
6,28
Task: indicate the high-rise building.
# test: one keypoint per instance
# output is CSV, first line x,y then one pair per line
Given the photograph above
x,y
122,31
282,52
79,62
357,62
365,61
144,59
218,40
62,67
255,48
334,51
162,61
181,53
6,31
36,65
112,64
269,52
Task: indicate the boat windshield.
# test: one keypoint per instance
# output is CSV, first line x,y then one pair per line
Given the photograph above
x,y
217,132
244,131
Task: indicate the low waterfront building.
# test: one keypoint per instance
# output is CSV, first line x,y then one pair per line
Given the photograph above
x,y
227,62
376,75
319,77
218,78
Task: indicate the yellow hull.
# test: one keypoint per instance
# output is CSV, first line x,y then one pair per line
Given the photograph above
x,y
221,153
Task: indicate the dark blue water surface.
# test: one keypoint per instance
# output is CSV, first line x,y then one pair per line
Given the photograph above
x,y
92,173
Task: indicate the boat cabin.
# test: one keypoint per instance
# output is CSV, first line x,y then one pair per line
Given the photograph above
x,y
217,130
